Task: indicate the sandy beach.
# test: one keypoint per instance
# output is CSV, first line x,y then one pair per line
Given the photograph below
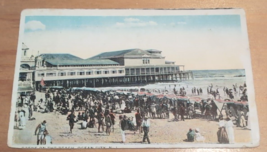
x,y
161,130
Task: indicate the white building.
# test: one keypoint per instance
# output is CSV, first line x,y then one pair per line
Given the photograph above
x,y
26,72
133,66
70,71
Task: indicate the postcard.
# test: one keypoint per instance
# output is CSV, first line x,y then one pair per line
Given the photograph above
x,y
133,79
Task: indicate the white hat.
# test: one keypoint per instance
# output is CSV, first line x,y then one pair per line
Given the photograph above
x,y
197,129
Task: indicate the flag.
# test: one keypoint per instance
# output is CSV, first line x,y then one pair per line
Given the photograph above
x,y
42,82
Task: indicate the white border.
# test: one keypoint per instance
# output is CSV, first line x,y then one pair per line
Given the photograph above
x,y
255,136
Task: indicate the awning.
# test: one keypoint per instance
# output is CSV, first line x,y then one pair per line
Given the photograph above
x,y
53,87
25,89
85,88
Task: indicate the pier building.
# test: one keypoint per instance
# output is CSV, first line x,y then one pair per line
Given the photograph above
x,y
132,66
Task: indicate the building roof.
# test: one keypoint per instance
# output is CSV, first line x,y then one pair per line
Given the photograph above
x,y
82,62
59,56
153,51
121,53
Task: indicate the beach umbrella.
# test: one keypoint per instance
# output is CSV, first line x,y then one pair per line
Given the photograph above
x,y
220,104
171,96
149,94
160,96
229,101
195,99
141,93
134,93
241,102
182,97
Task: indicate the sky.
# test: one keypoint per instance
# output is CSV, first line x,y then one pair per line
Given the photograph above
x,y
197,41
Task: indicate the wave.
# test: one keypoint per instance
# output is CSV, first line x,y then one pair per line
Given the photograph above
x,y
219,73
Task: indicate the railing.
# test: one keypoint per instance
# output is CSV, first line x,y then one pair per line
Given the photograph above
x,y
31,68
152,73
25,83
156,73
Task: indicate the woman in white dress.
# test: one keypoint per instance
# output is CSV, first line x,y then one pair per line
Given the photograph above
x,y
22,120
198,136
230,130
221,133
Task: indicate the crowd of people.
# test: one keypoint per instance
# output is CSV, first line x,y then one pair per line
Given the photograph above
x,y
99,109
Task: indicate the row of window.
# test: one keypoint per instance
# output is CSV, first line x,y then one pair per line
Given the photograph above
x,y
80,73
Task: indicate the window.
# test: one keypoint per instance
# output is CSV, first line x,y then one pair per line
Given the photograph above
x,y
114,71
80,73
40,74
71,73
50,74
62,74
146,61
89,73
121,71
98,72
106,72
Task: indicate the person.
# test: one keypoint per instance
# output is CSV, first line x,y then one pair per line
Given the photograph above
x,y
30,108
112,116
146,125
182,112
123,122
22,119
91,113
230,131
47,139
213,110
175,113
84,116
16,119
41,132
242,119
84,124
221,133
127,110
91,123
138,119
198,136
190,135
79,116
108,124
100,119
71,118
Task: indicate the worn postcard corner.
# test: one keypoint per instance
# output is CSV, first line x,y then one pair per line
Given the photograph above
x,y
133,79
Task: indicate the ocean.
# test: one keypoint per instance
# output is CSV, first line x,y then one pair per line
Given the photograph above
x,y
227,74
202,79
